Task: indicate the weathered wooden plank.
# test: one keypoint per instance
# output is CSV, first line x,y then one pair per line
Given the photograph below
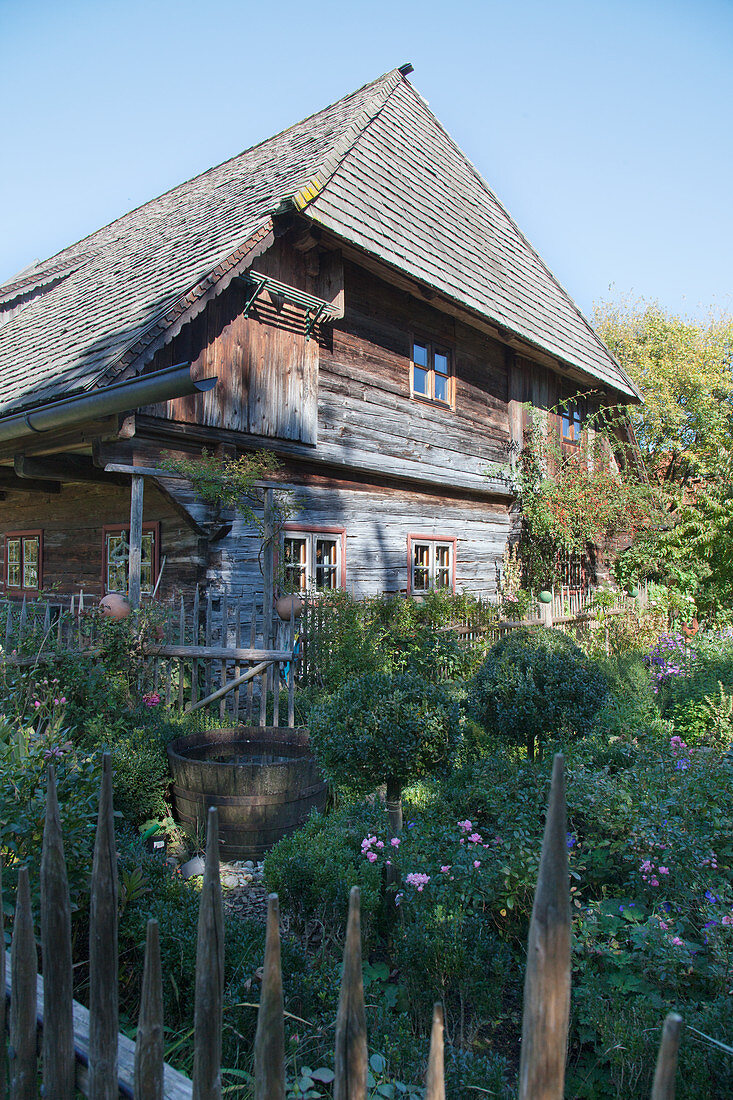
x,y
149,1042
270,1036
245,678
351,1038
176,1086
252,644
435,1080
547,979
666,1068
291,673
224,641
182,643
137,485
218,653
59,1071
195,641
24,969
103,980
209,975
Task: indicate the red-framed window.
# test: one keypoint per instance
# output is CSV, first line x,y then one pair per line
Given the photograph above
x,y
431,563
116,557
23,572
572,573
313,559
431,372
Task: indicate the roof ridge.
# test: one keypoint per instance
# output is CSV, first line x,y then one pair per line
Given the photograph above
x,y
215,167
349,139
472,167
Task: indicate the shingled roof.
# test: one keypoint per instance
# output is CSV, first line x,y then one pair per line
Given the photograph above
x,y
376,168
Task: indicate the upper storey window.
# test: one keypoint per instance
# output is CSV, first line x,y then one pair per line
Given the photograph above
x,y
432,372
572,422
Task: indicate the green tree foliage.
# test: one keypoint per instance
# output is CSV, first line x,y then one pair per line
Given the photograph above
x,y
683,369
685,431
537,683
385,728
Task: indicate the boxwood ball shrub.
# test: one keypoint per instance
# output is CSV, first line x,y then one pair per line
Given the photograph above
x,y
384,728
537,683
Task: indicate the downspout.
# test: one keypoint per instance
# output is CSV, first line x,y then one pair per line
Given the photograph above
x,y
149,389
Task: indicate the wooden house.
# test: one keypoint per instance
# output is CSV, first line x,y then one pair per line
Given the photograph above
x,y
371,314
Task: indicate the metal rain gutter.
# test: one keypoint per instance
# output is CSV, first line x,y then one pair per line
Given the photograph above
x,y
149,389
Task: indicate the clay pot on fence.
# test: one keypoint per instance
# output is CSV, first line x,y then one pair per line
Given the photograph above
x,y
114,606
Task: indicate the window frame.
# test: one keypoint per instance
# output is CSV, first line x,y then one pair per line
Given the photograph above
x,y
433,541
117,529
572,566
312,532
433,346
572,413
15,590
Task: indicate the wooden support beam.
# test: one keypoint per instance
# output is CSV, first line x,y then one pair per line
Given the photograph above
x,y
11,484
64,467
136,541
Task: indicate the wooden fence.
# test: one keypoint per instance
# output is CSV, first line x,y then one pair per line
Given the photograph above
x,y
478,626
82,1048
218,651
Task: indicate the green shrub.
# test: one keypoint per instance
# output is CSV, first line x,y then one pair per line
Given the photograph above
x,y
313,870
537,684
140,776
383,728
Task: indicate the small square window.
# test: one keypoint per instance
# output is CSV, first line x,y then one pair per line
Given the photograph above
x,y
432,563
572,422
312,561
431,373
23,561
117,558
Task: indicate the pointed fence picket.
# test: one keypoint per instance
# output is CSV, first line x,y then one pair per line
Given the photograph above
x,y
82,1048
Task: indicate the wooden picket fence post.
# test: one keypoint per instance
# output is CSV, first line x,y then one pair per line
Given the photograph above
x,y
82,1049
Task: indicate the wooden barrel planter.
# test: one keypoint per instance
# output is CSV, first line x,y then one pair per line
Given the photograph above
x,y
263,780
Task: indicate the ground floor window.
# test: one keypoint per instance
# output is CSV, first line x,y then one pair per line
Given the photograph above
x,y
23,561
117,558
432,563
572,573
313,560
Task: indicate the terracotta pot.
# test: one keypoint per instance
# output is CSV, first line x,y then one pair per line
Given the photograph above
x,y
545,596
289,607
114,606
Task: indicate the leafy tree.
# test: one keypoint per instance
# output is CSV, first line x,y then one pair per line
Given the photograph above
x,y
385,728
683,369
537,683
685,432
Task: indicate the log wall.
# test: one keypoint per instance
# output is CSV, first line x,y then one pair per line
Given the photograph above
x,y
72,522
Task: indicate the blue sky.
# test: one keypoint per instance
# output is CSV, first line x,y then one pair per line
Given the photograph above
x,y
604,127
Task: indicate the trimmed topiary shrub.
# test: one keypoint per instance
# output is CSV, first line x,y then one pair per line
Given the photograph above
x,y
537,683
385,729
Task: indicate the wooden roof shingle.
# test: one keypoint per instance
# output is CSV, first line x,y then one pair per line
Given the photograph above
x,y
376,168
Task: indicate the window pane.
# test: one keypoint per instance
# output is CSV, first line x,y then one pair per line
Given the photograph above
x,y
421,567
440,362
420,355
420,381
30,563
442,567
146,564
13,552
118,554
326,564
295,554
441,388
